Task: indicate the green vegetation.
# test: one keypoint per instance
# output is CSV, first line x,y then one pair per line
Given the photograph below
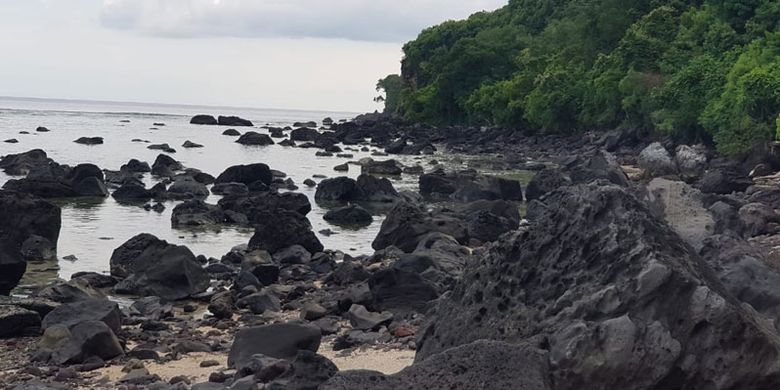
x,y
699,70
391,87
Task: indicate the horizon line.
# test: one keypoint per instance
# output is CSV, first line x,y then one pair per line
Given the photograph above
x,y
178,105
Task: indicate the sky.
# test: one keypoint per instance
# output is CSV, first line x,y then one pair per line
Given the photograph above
x,y
304,54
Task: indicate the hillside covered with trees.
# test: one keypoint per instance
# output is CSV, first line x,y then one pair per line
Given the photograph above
x,y
706,70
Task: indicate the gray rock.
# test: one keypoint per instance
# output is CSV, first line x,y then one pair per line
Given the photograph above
x,y
619,288
23,216
73,313
691,161
155,267
281,341
481,364
15,320
656,161
362,319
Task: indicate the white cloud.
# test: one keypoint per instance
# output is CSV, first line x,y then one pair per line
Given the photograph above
x,y
361,20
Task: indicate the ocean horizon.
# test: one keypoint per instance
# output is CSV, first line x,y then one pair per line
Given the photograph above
x,y
96,106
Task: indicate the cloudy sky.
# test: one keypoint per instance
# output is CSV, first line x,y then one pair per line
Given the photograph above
x,y
309,54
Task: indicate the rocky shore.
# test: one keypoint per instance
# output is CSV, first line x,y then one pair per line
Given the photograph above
x,y
624,263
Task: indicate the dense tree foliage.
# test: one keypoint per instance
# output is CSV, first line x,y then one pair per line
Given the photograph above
x,y
694,69
391,86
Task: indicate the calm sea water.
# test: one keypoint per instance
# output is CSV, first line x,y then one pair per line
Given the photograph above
x,y
92,229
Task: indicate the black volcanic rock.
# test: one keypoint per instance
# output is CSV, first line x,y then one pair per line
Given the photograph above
x,y
600,279
246,174
352,215
280,228
407,224
203,120
253,138
487,364
233,121
23,216
280,341
155,267
89,140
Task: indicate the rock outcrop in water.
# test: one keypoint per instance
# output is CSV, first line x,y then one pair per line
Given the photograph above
x,y
22,218
89,140
253,138
366,188
21,164
233,121
614,295
61,181
203,120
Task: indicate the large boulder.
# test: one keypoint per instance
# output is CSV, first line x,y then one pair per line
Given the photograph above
x,y
400,291
62,181
619,300
15,320
246,174
386,167
233,121
468,186
165,165
253,138
544,181
336,189
197,213
584,169
89,140
656,161
759,219
486,220
352,215
155,267
743,270
375,189
73,313
132,192
305,134
23,216
439,259
366,188
681,206
22,163
136,166
187,187
482,364
406,224
724,178
279,229
203,120
257,207
691,161
82,342
281,341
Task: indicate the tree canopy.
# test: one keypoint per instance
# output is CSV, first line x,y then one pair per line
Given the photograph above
x,y
699,70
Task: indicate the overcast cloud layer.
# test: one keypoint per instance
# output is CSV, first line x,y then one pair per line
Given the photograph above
x,y
313,54
361,20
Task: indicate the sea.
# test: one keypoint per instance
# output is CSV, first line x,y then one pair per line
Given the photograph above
x,y
93,228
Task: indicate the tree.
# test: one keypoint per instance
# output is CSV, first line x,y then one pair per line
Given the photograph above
x,y
746,112
703,70
391,87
